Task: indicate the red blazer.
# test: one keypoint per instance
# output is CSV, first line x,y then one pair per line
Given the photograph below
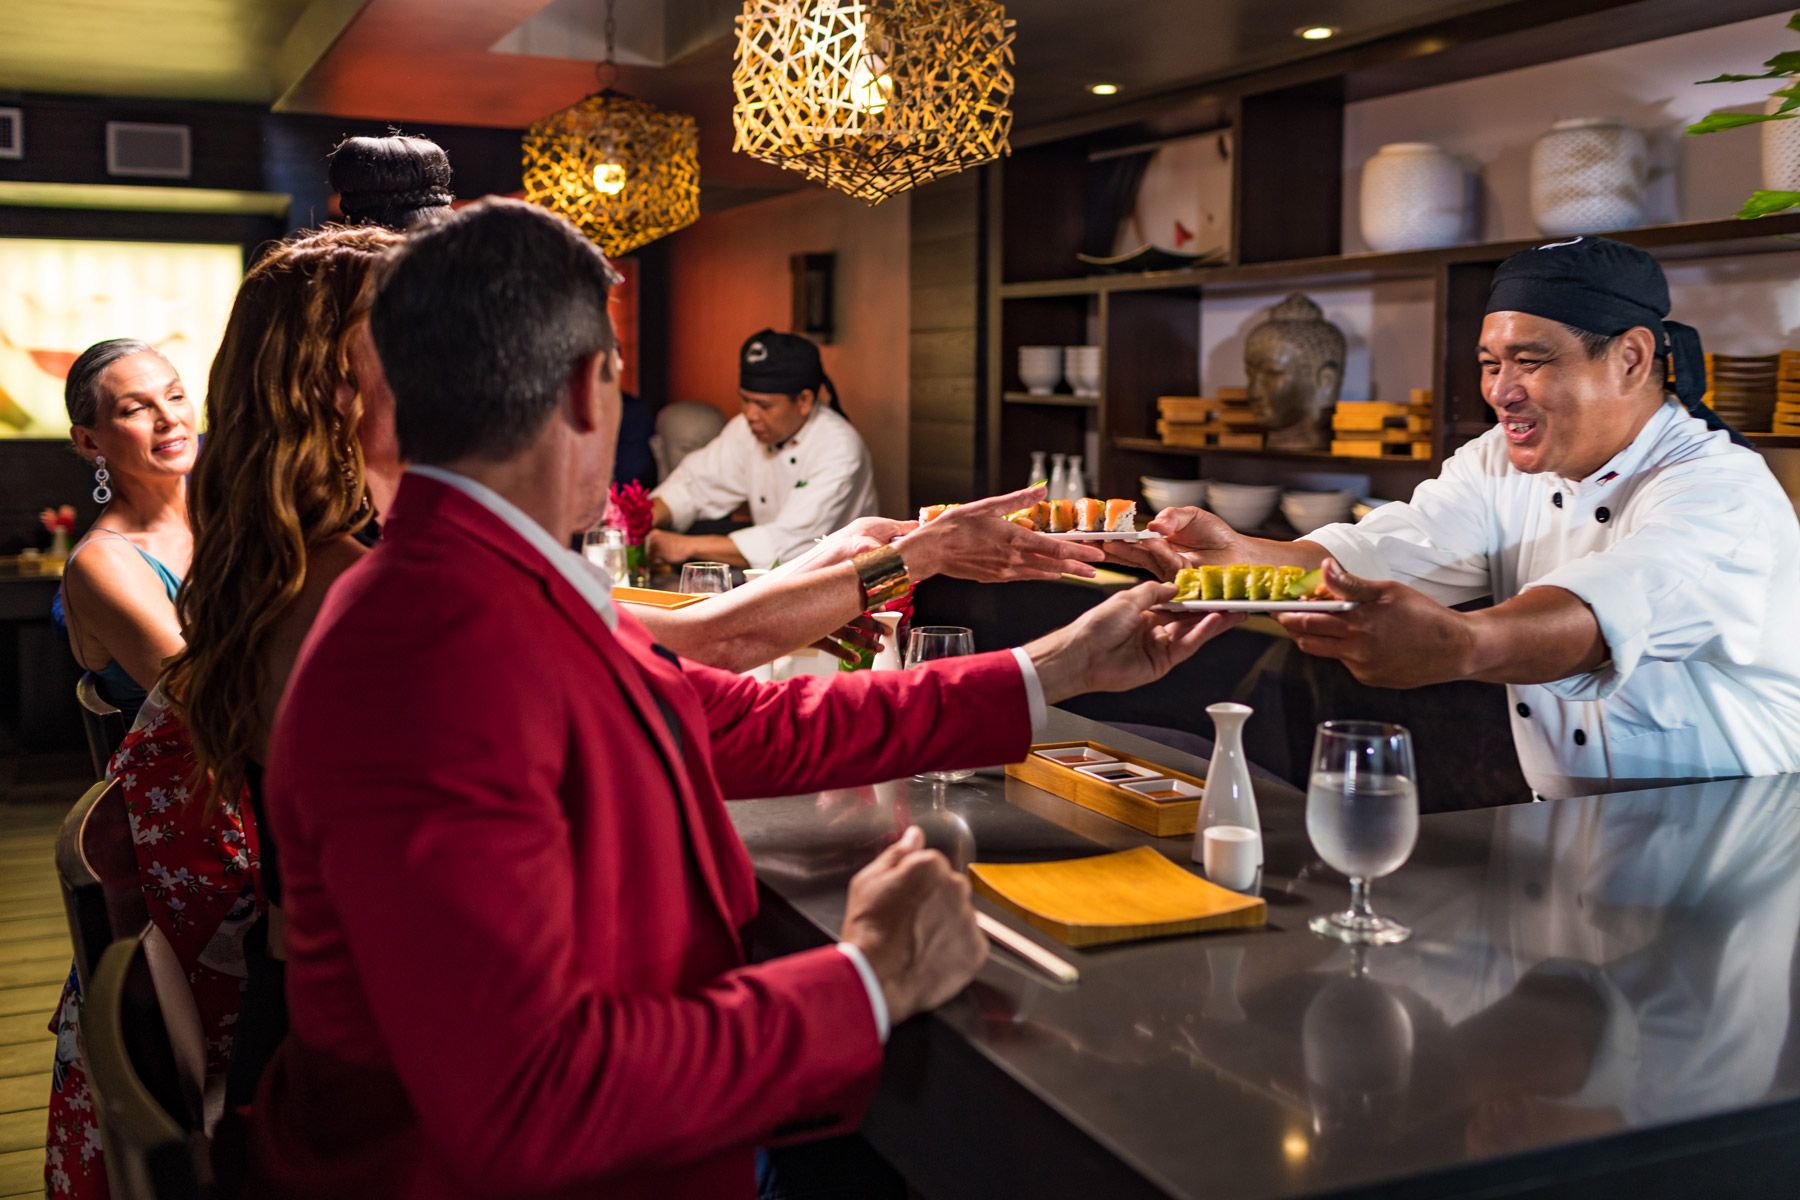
x,y
513,900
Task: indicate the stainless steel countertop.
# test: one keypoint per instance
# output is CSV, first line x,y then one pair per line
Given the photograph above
x,y
1608,972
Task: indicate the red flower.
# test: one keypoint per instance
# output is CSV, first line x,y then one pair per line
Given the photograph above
x,y
629,508
58,520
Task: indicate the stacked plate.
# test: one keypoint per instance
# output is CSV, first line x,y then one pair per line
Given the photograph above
x,y
1243,506
1172,493
1741,389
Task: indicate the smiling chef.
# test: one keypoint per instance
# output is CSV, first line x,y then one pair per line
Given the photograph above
x,y
1643,562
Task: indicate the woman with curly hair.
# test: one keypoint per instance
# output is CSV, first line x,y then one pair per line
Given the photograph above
x,y
299,457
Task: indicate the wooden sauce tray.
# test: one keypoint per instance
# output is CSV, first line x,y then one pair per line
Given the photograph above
x,y
1159,818
654,598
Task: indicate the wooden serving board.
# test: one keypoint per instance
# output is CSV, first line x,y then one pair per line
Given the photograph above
x,y
1159,818
654,598
1114,897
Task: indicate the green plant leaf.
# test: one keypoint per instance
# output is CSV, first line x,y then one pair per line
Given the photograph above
x,y
1794,22
1728,120
1743,78
1763,204
1785,63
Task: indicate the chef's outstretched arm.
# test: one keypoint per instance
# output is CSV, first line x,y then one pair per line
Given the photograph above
x,y
1398,637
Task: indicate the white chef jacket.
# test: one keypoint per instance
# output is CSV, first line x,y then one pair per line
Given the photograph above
x,y
1688,553
817,481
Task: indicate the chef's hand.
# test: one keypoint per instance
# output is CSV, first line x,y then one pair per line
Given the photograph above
x,y
1396,637
1191,536
912,917
972,541
1121,644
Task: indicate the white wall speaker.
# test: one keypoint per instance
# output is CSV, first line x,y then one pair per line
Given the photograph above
x,y
152,151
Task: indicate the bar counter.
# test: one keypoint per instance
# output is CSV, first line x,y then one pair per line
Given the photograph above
x,y
1595,1001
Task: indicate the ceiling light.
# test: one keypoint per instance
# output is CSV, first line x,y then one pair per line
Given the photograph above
x,y
1103,89
1316,33
873,97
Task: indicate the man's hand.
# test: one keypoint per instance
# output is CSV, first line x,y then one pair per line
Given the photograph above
x,y
911,916
1396,637
1121,644
972,541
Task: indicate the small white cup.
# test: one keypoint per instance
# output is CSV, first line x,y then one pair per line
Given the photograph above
x,y
1231,855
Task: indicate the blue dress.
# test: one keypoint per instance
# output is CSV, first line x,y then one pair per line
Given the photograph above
x,y
114,682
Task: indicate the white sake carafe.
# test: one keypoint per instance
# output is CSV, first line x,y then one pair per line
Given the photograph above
x,y
1059,477
1077,481
1229,798
1037,469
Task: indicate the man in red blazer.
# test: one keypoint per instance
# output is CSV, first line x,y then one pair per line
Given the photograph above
x,y
513,894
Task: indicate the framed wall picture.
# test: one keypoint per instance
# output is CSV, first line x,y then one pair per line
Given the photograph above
x,y
813,302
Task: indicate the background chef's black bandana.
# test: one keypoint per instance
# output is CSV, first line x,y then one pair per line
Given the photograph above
x,y
1607,287
782,362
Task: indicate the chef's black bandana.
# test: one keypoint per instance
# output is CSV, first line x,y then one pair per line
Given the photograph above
x,y
1607,287
782,362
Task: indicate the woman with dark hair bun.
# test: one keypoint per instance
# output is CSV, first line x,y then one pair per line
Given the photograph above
x,y
399,181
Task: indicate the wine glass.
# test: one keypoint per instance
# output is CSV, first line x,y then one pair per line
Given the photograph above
x,y
1362,814
925,644
705,578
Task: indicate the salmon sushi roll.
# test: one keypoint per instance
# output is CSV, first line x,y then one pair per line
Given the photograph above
x,y
1040,516
1090,515
932,512
1121,516
1062,516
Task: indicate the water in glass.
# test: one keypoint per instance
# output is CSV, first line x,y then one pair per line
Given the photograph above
x,y
1362,814
927,643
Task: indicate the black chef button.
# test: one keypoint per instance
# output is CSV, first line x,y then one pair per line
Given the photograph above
x,y
1602,515
792,460
1556,499
1580,738
1524,709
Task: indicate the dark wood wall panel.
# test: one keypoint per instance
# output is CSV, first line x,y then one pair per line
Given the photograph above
x,y
945,423
1288,190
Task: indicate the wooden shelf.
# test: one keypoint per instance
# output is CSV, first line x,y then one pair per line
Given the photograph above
x,y
1685,239
1774,441
1052,400
1147,445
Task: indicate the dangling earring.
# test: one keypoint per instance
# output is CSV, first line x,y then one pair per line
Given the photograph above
x,y
102,476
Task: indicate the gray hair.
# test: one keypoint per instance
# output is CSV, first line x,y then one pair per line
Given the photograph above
x,y
81,390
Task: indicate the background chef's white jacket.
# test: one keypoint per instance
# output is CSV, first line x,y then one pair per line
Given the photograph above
x,y
819,480
1688,553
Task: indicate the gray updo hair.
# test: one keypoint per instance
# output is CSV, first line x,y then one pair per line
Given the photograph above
x,y
81,390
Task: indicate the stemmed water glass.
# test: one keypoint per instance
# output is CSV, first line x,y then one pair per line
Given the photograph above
x,y
927,643
705,578
1362,814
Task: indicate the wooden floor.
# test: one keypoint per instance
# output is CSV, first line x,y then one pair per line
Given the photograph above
x,y
34,961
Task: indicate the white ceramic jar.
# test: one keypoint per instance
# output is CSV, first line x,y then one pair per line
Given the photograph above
x,y
1412,198
1587,176
1780,151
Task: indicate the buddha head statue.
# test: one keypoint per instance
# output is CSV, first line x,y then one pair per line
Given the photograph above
x,y
1295,363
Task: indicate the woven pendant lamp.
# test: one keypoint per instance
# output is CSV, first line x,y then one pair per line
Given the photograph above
x,y
873,97
623,170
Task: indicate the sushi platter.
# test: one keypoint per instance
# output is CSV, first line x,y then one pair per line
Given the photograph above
x,y
1123,535
1257,606
1252,588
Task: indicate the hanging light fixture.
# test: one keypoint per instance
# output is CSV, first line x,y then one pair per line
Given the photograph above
x,y
624,171
873,97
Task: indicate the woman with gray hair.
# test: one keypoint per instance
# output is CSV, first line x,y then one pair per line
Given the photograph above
x,y
130,417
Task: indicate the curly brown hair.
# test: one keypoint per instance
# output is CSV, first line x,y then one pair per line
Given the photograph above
x,y
281,475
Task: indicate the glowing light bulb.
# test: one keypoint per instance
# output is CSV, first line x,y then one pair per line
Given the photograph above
x,y
1103,89
1316,33
870,84
609,178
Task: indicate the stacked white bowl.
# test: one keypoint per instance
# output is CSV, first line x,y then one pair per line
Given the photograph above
x,y
1243,506
1040,368
1081,367
1172,493
1307,511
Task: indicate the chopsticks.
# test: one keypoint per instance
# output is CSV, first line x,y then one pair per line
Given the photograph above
x,y
1025,948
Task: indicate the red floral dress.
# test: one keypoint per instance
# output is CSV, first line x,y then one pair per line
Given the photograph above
x,y
199,872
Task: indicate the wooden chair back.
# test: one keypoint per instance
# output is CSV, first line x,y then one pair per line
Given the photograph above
x,y
96,862
146,1062
103,724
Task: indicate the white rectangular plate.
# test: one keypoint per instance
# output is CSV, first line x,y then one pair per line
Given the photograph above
x,y
1257,606
1136,535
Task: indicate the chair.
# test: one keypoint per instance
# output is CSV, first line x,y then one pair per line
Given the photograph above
x,y
146,1062
103,724
96,863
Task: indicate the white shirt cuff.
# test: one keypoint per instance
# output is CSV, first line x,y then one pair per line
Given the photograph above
x,y
877,1001
1034,691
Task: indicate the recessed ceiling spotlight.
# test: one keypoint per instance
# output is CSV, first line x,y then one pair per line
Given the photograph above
x,y
1316,33
1103,89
